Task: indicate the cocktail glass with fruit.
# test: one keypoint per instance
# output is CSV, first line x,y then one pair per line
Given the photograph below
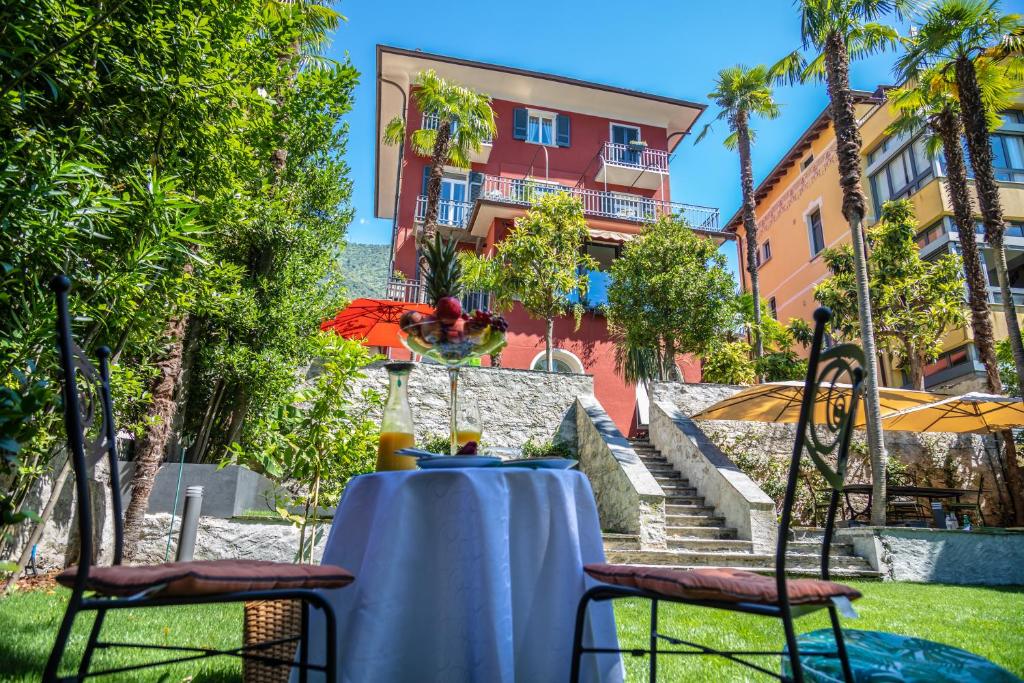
x,y
450,336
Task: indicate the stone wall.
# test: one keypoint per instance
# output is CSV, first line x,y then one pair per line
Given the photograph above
x,y
979,557
936,459
629,498
515,405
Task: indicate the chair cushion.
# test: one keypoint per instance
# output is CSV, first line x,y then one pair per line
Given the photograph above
x,y
879,656
208,577
728,585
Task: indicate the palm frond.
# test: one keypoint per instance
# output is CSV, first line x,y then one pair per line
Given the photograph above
x,y
789,69
394,131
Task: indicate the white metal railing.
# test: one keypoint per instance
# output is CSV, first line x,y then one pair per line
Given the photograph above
x,y
995,296
618,154
430,122
449,212
617,205
411,291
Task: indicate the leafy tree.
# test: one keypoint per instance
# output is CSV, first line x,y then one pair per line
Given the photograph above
x,y
929,101
963,38
670,294
744,92
915,301
778,361
729,363
540,263
464,121
836,31
321,437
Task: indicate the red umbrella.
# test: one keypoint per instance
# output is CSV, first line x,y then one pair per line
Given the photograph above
x,y
374,321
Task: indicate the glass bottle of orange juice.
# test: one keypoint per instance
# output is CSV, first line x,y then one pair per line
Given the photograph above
x,y
396,430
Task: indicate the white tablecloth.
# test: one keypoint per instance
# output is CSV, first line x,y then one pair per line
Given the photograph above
x,y
466,575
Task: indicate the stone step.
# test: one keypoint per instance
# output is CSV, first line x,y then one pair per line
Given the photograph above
x,y
687,509
744,560
806,534
685,520
697,531
670,477
710,545
677,500
621,541
679,489
813,548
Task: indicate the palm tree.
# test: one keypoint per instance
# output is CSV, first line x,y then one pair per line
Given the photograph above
x,y
838,31
961,39
930,102
742,93
464,121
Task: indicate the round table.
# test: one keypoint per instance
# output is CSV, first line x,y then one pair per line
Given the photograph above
x,y
466,575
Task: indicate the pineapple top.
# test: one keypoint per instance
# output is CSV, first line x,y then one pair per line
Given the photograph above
x,y
444,272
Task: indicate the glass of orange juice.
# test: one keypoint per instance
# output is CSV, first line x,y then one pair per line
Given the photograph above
x,y
468,426
396,430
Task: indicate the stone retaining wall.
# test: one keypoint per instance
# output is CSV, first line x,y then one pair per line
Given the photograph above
x,y
515,405
980,557
629,499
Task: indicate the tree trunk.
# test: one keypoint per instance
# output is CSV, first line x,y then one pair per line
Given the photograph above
x,y
549,343
948,127
972,114
915,364
153,444
848,145
439,157
750,223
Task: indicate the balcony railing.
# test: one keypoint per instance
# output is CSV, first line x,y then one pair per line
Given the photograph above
x,y
450,213
430,122
413,292
615,205
646,159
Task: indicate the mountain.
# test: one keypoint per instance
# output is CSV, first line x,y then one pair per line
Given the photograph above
x,y
364,268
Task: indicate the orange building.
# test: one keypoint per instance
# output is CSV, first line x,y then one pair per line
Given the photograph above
x,y
799,213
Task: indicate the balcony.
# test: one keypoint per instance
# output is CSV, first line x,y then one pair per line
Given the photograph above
x,y
411,291
480,156
450,214
500,192
633,167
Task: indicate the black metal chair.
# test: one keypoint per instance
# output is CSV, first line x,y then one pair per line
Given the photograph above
x,y
958,508
748,592
88,418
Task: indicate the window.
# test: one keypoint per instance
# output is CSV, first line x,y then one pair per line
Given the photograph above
x,y
806,162
561,361
773,308
902,174
816,235
540,128
599,279
1008,157
1012,117
766,251
932,233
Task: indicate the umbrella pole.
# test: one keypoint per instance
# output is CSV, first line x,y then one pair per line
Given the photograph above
x,y
453,404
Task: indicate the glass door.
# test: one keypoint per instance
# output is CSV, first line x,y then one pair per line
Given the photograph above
x,y
623,135
451,209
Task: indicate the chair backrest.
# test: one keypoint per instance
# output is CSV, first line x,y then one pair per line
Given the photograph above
x,y
832,392
89,422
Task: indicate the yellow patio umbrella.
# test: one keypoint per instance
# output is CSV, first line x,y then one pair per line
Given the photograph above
x,y
972,412
780,402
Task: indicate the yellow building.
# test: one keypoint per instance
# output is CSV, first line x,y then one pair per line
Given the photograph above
x,y
799,213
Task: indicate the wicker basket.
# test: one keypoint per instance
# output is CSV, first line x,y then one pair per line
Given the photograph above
x,y
271,620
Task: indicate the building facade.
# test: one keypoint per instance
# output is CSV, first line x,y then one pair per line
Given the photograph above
x,y
799,211
607,146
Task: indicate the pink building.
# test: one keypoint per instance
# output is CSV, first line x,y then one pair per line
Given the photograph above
x,y
554,133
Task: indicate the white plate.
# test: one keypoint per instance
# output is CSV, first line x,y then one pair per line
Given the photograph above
x,y
541,463
448,461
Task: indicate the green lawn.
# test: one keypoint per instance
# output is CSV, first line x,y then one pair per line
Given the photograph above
x,y
987,621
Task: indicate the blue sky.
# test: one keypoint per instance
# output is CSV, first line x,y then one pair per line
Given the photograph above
x,y
668,48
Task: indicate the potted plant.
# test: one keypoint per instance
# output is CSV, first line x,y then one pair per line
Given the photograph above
x,y
637,145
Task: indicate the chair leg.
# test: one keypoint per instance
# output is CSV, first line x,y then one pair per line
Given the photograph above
x,y
90,647
304,644
61,642
794,654
653,673
837,632
577,639
331,634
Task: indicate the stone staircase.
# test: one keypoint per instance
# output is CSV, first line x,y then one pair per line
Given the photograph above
x,y
696,537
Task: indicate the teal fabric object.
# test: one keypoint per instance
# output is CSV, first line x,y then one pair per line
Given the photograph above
x,y
878,657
